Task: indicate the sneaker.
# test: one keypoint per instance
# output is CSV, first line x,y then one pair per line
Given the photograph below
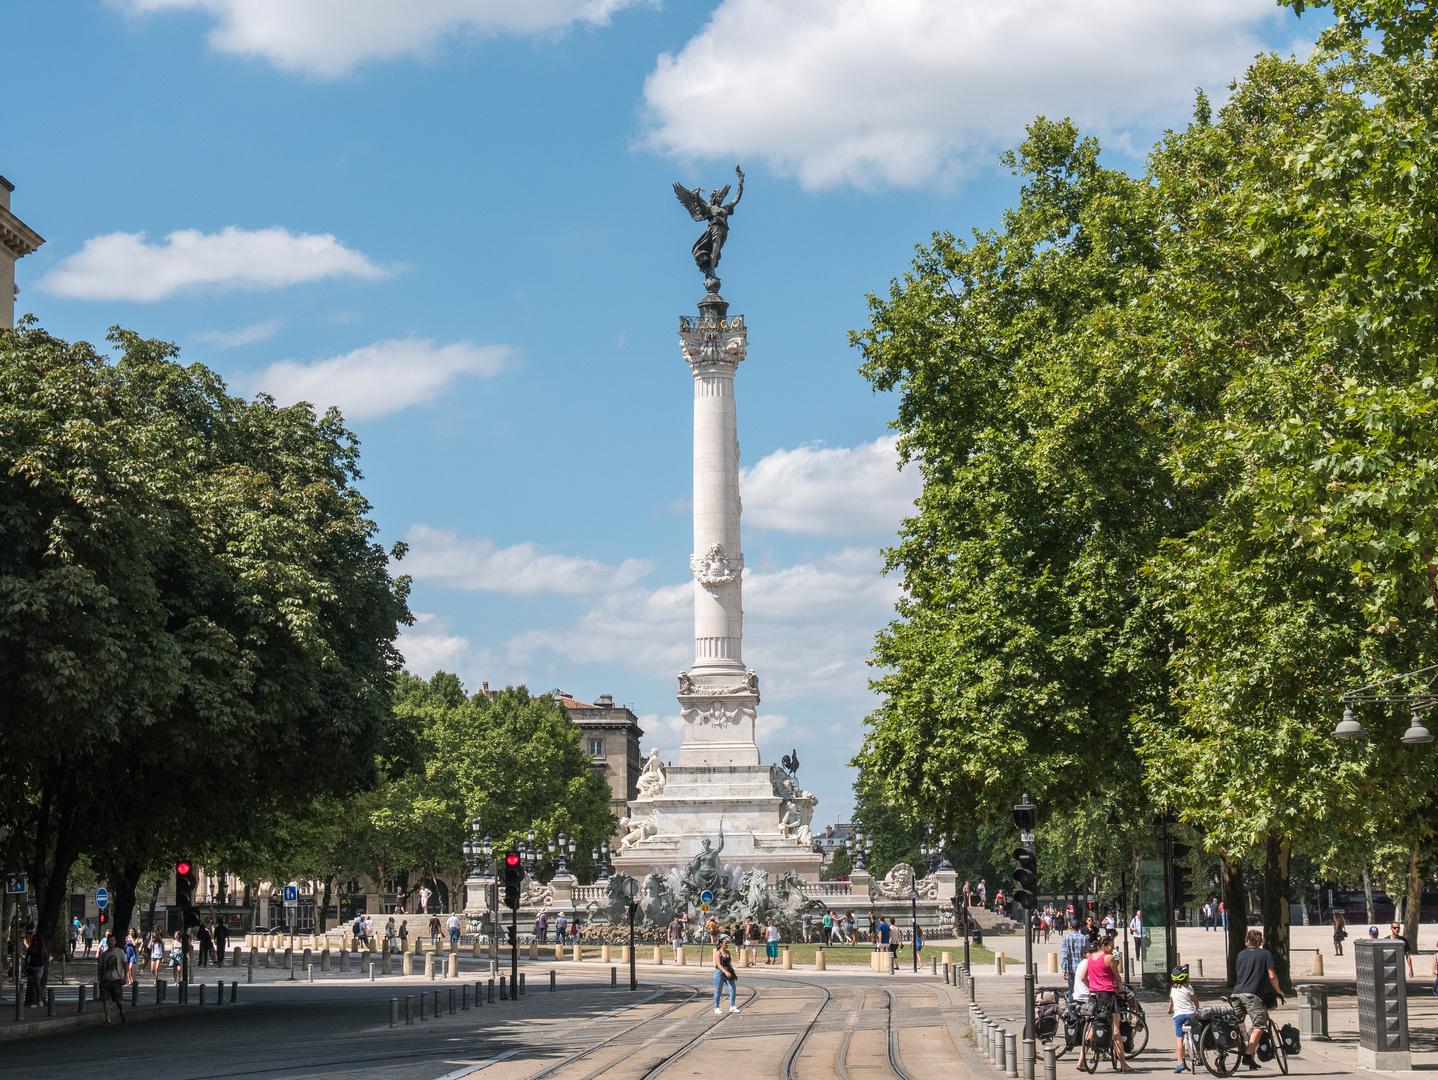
x,y
718,1011
1180,1068
733,1008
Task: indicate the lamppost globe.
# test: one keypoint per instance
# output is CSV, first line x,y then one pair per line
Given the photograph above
x,y
474,826
1416,733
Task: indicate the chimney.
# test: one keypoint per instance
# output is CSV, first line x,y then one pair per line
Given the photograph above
x,y
605,700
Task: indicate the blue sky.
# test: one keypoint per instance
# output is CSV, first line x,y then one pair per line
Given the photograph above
x,y
454,219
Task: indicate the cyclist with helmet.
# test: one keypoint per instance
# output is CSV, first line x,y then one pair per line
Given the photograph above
x,y
1182,1004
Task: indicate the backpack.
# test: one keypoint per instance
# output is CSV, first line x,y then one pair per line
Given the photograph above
x,y
1288,1035
114,967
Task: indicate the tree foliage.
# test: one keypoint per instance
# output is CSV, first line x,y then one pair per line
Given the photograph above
x,y
196,625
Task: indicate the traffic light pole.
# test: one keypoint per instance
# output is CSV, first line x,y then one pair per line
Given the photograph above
x,y
1029,980
514,954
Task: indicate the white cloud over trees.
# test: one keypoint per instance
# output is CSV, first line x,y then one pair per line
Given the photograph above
x,y
381,378
125,266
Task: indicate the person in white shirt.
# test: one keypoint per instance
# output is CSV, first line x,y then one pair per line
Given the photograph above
x,y
1182,1004
453,923
1135,929
1080,995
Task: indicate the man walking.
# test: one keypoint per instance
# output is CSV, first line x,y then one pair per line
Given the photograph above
x,y
207,945
1252,970
453,924
1071,953
1135,929
222,939
111,973
1394,935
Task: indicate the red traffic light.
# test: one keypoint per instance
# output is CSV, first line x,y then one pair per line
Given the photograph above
x,y
512,859
183,869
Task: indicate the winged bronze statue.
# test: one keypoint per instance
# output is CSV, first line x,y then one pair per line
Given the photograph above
x,y
715,211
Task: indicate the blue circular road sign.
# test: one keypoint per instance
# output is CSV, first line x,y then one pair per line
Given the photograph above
x,y
706,897
102,898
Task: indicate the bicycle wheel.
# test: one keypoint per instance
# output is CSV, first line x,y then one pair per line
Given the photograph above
x,y
1138,1038
1279,1054
1059,1040
1218,1058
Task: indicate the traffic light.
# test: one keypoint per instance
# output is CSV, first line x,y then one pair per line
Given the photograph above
x,y
513,875
186,880
1026,874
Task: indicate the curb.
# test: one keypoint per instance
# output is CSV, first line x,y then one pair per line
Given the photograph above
x,y
29,1028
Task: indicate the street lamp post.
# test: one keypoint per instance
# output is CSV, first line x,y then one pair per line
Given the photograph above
x,y
631,892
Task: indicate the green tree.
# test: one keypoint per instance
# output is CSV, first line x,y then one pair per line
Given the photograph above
x,y
197,627
1023,647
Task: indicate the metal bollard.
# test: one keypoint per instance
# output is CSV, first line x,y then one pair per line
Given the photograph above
x,y
250,973
478,993
309,973
371,973
83,988
409,1008
946,974
1011,1063
503,988
220,992
934,965
135,994
438,1005
1051,1062
1027,1053
551,980
521,984
394,1012
464,998
423,1006
614,976
491,991
159,991
202,993
234,992
49,1000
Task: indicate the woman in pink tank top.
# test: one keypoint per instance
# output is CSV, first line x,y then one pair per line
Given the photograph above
x,y
1102,977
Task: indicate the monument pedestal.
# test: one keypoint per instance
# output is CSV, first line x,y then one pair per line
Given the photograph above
x,y
741,807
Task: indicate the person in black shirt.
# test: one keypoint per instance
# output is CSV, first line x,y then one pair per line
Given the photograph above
x,y
1253,968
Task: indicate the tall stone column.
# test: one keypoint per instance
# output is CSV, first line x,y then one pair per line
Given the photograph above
x,y
718,696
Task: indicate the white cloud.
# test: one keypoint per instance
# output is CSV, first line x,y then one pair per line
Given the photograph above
x,y
329,38
381,378
441,557
808,628
245,335
916,92
427,648
835,492
123,266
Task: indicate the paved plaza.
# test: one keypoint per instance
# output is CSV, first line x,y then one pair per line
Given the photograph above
x,y
844,1023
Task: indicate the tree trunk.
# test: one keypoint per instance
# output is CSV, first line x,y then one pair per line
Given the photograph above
x,y
325,904
1235,907
1275,906
124,882
1413,903
1368,891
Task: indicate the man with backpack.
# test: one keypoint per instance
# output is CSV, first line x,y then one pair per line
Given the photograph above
x,y
112,977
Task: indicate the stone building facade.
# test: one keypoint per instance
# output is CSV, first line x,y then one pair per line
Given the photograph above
x,y
16,241
610,735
